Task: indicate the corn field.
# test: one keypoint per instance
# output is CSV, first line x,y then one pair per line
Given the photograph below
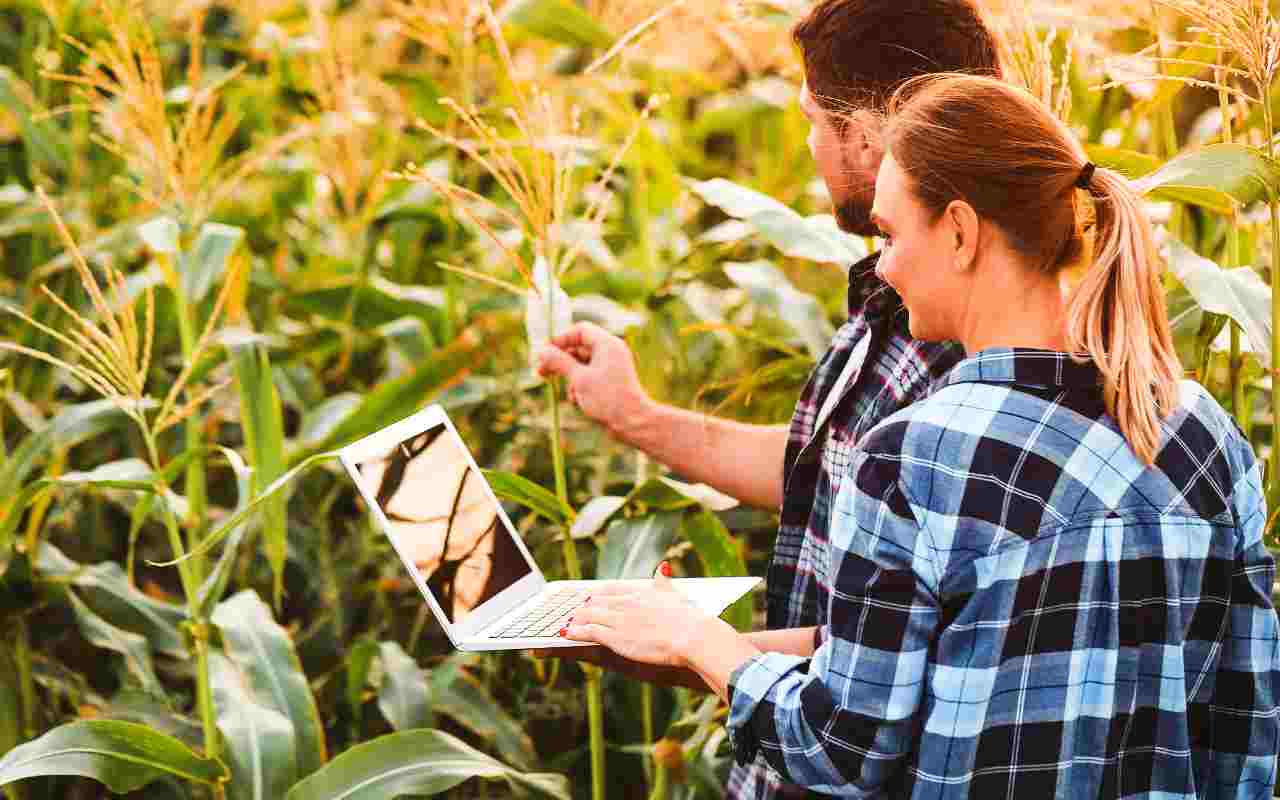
x,y
236,235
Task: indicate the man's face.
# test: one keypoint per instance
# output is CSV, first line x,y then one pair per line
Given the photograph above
x,y
850,181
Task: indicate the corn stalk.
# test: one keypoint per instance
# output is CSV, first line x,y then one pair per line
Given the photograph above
x,y
112,354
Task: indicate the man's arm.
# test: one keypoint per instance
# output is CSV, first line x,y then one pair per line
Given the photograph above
x,y
742,460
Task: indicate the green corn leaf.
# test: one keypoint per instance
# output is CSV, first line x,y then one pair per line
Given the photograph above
x,y
134,705
131,473
208,258
769,288
264,653
263,423
458,695
1239,293
319,422
215,584
1216,176
375,302
360,662
720,557
131,646
509,486
661,495
1130,163
106,589
73,425
259,739
702,494
122,755
595,514
397,399
422,762
403,696
634,547
233,522
815,238
562,21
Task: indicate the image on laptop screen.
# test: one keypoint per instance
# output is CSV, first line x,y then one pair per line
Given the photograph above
x,y
443,520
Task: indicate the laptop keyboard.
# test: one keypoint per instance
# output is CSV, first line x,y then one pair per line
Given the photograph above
x,y
546,618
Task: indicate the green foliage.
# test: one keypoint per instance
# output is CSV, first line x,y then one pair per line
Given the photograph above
x,y
508,486
262,419
260,741
1216,177
134,562
122,755
404,697
558,20
106,589
813,238
415,763
264,653
633,548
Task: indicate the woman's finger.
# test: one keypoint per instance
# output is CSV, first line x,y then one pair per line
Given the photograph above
x,y
592,632
610,601
597,614
662,577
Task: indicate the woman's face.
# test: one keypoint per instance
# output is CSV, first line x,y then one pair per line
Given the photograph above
x,y
918,257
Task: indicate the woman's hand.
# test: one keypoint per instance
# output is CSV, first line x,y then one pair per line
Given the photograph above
x,y
650,626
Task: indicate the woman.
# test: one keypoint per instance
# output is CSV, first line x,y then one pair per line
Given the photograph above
x,y
1049,576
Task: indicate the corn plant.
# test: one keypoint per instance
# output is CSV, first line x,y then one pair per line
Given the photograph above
x,y
271,284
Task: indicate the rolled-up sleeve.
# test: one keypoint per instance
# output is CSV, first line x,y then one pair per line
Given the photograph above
x,y
846,719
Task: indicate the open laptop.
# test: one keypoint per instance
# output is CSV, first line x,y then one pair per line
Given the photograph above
x,y
425,491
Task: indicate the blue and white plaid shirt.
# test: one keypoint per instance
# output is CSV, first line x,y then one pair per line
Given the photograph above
x,y
885,370
1021,608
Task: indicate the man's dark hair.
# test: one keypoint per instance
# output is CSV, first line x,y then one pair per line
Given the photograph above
x,y
858,52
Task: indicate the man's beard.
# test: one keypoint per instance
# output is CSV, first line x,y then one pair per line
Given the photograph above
x,y
853,213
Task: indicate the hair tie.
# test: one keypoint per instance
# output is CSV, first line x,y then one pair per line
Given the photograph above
x,y
1086,174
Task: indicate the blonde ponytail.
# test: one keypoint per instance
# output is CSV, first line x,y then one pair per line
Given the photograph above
x,y
1117,315
1000,150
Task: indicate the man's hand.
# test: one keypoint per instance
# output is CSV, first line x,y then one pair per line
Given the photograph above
x,y
600,373
737,458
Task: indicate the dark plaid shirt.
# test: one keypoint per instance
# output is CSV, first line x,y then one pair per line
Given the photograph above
x,y
890,370
1021,608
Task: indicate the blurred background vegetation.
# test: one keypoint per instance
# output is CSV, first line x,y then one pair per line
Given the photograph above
x,y
237,234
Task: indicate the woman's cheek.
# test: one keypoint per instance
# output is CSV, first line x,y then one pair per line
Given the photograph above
x,y
886,269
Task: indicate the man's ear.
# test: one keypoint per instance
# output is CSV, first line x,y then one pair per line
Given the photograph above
x,y
865,146
963,228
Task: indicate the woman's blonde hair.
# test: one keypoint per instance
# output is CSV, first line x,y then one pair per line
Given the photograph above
x,y
997,148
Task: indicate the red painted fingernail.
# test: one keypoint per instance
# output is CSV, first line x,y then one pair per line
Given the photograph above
x,y
561,632
665,569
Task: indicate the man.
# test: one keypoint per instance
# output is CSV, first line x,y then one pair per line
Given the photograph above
x,y
855,53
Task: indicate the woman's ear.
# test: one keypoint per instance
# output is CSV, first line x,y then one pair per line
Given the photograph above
x,y
962,222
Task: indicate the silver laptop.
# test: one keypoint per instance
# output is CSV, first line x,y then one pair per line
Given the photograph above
x,y
425,491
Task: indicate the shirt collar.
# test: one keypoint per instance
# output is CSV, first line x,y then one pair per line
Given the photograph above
x,y
1025,366
868,294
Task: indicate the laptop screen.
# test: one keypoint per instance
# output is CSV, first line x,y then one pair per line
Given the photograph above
x,y
443,520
